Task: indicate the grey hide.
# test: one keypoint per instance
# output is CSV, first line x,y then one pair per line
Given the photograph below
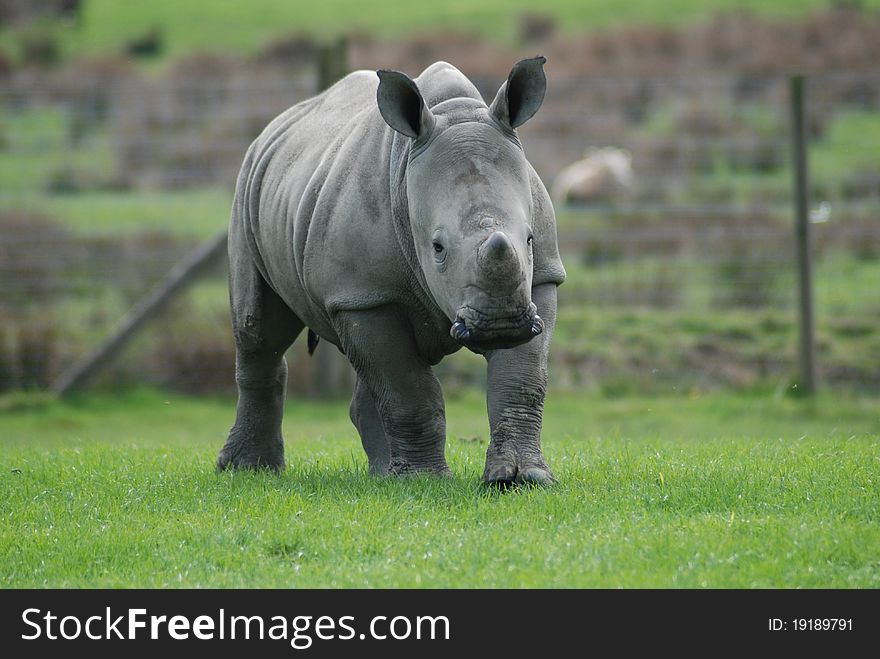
x,y
399,220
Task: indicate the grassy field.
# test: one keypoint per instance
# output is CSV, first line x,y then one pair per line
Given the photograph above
x,y
717,491
105,25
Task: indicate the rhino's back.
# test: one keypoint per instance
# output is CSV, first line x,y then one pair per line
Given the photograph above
x,y
316,208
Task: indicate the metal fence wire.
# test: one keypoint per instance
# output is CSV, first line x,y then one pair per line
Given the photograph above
x,y
673,197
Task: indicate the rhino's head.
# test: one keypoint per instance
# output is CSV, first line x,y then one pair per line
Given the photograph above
x,y
470,202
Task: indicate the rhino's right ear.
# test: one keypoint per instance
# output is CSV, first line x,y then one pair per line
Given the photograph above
x,y
401,104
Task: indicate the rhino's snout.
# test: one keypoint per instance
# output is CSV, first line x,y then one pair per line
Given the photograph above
x,y
480,331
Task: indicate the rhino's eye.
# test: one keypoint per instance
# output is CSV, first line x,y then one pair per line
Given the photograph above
x,y
529,241
438,247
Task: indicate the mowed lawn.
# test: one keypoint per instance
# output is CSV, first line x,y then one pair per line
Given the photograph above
x,y
721,490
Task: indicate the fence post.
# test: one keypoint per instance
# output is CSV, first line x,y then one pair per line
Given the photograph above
x,y
332,63
181,276
803,238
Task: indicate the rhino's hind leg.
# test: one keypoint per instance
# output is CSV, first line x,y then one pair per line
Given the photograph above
x,y
366,419
255,441
264,327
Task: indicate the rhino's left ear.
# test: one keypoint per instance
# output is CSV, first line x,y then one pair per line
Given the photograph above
x,y
521,96
401,104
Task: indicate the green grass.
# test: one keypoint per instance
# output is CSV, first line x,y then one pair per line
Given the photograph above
x,y
848,148
851,144
663,351
105,25
717,491
38,149
35,147
198,213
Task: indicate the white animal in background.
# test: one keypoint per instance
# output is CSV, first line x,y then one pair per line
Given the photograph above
x,y
821,214
603,175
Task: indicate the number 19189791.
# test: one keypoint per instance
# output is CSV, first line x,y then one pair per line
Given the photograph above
x,y
810,624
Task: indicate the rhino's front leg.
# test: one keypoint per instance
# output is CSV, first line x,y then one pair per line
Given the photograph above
x,y
517,383
366,419
407,396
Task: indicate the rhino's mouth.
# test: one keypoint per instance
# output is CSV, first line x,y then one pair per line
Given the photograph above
x,y
481,331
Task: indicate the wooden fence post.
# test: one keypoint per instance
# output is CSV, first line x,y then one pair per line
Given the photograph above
x,y
803,239
332,63
148,308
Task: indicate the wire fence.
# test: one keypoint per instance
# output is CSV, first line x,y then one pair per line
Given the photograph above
x,y
673,196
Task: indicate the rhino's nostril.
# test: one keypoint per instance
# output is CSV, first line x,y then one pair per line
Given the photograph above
x,y
459,330
537,325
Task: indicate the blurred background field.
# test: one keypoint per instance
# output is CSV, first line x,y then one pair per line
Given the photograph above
x,y
684,455
122,126
108,26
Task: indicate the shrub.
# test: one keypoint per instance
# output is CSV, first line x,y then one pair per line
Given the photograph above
x,y
35,354
40,48
28,274
533,27
290,50
149,44
7,366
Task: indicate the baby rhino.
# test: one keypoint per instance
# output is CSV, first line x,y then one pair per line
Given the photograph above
x,y
399,220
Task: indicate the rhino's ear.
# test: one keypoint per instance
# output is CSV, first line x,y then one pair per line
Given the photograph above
x,y
521,96
401,104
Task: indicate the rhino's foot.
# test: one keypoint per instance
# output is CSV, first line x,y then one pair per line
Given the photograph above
x,y
400,467
379,469
242,451
504,472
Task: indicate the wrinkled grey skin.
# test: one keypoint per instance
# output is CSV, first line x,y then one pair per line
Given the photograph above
x,y
398,220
